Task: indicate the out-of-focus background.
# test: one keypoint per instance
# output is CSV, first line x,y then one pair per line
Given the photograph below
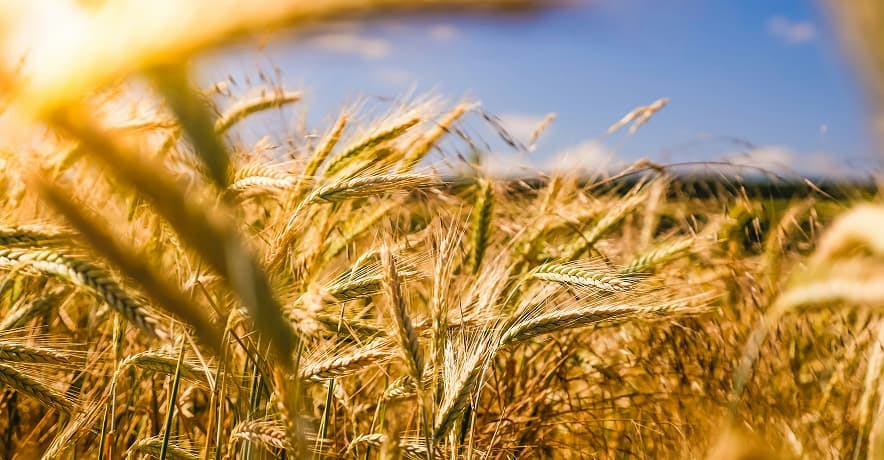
x,y
751,82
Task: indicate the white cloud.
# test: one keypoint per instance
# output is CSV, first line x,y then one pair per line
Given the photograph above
x,y
349,42
444,32
507,165
791,32
520,125
587,156
770,157
786,161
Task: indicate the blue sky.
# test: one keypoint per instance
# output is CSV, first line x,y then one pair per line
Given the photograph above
x,y
766,73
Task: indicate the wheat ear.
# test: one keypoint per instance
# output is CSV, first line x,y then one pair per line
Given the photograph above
x,y
32,235
268,433
27,385
163,362
153,446
362,187
344,364
562,319
20,316
419,148
17,352
658,255
481,225
603,226
370,142
242,109
405,332
576,274
460,385
88,275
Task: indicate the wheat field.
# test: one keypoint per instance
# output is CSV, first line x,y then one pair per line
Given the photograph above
x,y
170,291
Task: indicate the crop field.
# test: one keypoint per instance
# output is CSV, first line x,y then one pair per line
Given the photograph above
x,y
362,290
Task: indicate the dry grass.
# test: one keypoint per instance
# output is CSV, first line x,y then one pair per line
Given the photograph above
x,y
339,303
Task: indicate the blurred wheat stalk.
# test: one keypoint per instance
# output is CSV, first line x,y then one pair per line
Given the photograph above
x,y
70,48
847,268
